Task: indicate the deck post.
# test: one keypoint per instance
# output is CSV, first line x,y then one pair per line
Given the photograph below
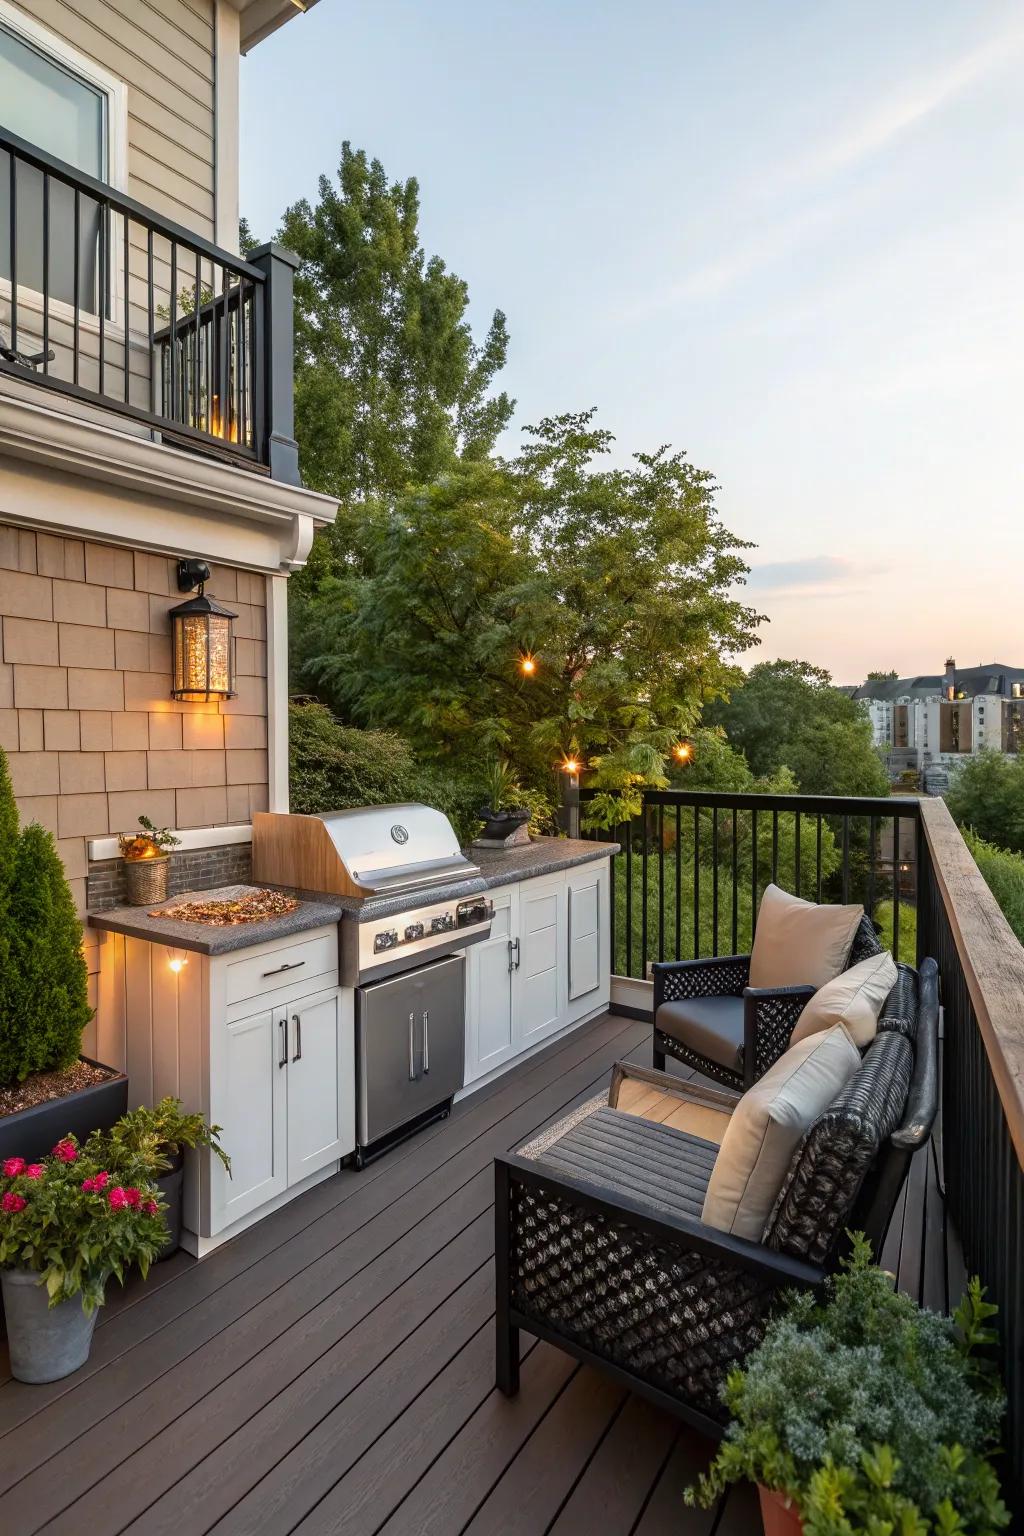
x,y
274,350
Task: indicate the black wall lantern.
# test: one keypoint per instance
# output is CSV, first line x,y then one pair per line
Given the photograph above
x,y
202,645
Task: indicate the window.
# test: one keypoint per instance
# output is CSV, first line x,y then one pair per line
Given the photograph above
x,y
61,103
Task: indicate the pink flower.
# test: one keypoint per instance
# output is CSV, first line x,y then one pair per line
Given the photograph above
x,y
151,1208
101,1181
34,1171
66,1150
133,1197
12,1166
13,1203
118,1198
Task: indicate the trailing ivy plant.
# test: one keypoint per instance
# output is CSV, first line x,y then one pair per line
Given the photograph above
x,y
871,1413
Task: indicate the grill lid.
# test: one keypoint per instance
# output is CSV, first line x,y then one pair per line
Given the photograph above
x,y
369,851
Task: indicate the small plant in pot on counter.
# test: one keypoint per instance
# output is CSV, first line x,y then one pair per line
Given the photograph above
x,y
866,1413
505,811
150,1144
46,1087
66,1225
146,855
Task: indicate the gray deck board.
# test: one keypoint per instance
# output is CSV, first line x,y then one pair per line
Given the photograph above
x,y
331,1372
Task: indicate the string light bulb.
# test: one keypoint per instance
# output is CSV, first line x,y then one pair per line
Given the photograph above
x,y
682,751
527,665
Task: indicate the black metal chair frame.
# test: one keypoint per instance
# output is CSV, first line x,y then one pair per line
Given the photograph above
x,y
769,1013
730,1285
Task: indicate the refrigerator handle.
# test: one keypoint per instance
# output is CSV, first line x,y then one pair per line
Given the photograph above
x,y
412,1047
426,1042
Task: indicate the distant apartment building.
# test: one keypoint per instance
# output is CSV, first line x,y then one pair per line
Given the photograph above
x,y
928,724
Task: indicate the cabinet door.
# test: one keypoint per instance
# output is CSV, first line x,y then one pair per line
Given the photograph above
x,y
539,977
589,964
321,1082
489,1036
249,1100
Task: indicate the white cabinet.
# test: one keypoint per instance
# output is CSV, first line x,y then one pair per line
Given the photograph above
x,y
545,965
260,1040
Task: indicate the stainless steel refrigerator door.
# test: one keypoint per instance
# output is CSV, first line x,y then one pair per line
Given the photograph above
x,y
411,1033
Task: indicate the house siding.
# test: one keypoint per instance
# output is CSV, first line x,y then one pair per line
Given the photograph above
x,y
164,51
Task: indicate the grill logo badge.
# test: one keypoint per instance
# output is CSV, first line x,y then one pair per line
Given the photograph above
x,y
399,833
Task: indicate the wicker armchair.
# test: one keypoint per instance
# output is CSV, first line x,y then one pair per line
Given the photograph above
x,y
601,1251
707,1017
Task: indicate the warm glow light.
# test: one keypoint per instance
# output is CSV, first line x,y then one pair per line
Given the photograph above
x,y
201,650
570,765
527,665
683,751
177,963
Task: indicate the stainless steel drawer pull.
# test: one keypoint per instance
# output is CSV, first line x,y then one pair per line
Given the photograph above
x,y
282,1025
297,1021
289,965
412,1047
426,1041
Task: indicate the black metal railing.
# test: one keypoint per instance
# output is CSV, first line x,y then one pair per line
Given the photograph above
x,y
103,300
693,865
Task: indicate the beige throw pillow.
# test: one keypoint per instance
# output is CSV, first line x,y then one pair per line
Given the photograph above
x,y
799,944
854,998
768,1125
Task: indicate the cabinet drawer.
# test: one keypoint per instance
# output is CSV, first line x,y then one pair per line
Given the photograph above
x,y
286,965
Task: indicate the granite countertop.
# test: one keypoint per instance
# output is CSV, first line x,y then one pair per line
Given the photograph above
x,y
498,866
207,939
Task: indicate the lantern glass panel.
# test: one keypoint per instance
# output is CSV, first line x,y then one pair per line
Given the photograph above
x,y
202,657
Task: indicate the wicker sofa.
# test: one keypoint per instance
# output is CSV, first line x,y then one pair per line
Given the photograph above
x,y
601,1250
707,1017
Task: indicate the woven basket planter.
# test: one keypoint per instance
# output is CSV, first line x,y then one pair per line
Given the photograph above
x,y
778,1515
146,880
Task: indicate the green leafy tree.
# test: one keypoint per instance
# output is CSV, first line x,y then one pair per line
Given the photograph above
x,y
390,384
1004,876
614,582
788,713
987,794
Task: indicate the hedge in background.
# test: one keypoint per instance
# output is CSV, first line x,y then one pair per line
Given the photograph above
x,y
44,999
1004,875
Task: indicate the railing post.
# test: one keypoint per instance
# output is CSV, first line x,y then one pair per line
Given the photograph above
x,y
569,810
275,363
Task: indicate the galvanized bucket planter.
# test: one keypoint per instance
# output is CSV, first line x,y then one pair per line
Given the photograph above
x,y
46,1343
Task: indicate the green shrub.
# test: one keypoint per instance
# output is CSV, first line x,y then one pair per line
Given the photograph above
x,y
1004,875
44,1002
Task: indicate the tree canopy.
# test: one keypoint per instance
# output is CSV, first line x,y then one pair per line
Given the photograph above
x,y
986,794
788,713
613,582
390,384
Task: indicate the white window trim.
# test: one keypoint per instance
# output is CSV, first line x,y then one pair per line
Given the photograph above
x,y
116,92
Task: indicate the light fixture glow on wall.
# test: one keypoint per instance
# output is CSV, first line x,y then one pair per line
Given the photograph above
x,y
202,644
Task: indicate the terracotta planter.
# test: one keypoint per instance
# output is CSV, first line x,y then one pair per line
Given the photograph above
x,y
779,1516
146,880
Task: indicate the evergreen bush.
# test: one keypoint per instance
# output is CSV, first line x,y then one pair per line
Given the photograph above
x,y
44,1003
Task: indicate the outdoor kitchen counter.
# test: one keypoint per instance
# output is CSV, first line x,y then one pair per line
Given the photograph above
x,y
206,938
543,856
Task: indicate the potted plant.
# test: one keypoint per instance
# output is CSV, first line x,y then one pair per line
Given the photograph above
x,y
46,1088
66,1225
865,1412
146,855
504,813
149,1145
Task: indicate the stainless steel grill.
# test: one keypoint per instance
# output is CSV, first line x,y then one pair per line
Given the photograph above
x,y
415,899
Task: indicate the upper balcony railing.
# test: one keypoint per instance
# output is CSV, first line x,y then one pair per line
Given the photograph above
x,y
105,301
687,884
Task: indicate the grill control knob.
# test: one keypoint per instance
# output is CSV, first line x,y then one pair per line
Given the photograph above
x,y
413,932
443,923
385,940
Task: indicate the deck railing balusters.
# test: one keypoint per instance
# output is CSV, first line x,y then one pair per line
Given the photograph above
x,y
714,880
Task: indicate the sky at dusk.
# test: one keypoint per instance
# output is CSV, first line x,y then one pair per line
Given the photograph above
x,y
786,238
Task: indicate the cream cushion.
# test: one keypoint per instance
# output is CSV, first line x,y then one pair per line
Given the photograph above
x,y
768,1125
799,944
854,998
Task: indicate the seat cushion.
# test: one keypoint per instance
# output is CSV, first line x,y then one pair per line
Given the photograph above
x,y
855,998
799,944
711,1026
768,1125
666,1168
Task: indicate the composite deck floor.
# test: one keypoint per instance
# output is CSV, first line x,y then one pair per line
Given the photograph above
x,y
331,1370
